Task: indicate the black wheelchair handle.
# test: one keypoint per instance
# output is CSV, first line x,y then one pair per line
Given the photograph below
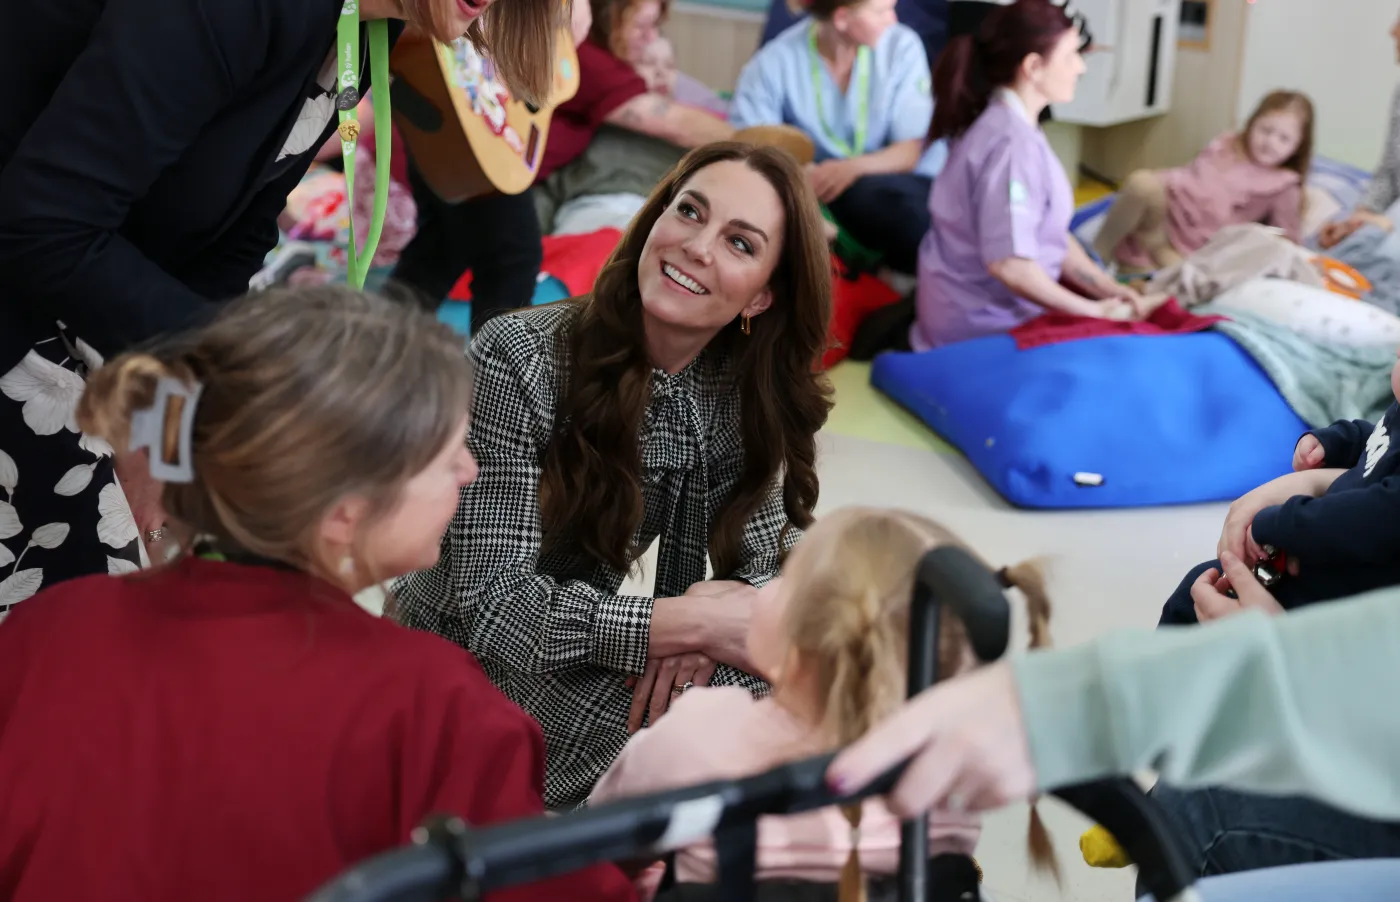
x,y
453,860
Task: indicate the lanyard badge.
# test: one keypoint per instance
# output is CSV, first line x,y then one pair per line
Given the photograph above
x,y
347,98
861,74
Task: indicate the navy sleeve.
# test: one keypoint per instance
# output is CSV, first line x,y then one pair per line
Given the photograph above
x,y
150,77
1344,442
1356,526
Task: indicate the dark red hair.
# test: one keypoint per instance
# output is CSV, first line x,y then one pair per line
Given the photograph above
x,y
973,65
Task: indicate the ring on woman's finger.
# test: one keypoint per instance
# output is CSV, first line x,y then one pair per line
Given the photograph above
x,y
688,685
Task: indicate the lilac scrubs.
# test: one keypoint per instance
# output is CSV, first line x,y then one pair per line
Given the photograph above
x,y
1002,193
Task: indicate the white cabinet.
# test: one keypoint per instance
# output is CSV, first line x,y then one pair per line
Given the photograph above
x,y
1131,76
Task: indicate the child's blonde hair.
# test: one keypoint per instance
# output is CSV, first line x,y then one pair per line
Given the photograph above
x,y
1289,102
850,581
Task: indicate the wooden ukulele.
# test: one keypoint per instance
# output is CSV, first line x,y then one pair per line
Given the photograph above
x,y
466,134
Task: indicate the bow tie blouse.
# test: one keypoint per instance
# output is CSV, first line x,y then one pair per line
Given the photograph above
x,y
548,625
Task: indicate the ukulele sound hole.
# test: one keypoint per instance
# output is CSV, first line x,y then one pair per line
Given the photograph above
x,y
532,147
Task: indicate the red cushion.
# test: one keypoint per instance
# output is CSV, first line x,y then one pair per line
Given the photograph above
x,y
852,300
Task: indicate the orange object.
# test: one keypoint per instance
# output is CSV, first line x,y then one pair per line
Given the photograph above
x,y
1341,278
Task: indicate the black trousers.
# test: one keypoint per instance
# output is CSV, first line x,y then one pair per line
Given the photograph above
x,y
496,236
887,213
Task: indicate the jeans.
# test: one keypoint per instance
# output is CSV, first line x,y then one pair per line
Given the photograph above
x,y
496,236
1377,880
887,213
1225,832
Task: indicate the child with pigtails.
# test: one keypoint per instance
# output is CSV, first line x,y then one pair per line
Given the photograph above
x,y
831,636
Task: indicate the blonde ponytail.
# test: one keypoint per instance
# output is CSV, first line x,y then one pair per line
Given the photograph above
x,y
860,640
119,389
1029,578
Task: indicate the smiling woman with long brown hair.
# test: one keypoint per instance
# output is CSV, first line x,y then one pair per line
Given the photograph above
x,y
680,401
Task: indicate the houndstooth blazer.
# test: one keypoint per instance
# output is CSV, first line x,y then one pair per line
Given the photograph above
x,y
549,627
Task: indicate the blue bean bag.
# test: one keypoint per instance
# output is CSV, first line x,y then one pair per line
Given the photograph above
x,y
1125,421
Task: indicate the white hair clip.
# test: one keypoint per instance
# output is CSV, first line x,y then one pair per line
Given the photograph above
x,y
148,430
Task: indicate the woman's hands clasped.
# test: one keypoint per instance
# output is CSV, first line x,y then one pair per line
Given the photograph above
x,y
691,636
663,682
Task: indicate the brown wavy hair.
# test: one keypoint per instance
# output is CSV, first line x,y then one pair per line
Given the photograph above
x,y
591,486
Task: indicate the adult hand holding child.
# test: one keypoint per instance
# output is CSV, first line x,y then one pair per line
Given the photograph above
x,y
1234,535
1210,592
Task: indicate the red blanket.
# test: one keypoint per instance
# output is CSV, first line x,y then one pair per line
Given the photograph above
x,y
574,260
1053,328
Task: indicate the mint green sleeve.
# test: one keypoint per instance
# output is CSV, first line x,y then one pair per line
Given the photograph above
x,y
1302,704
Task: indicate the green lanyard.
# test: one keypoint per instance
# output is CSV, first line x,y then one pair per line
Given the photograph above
x,y
862,77
347,48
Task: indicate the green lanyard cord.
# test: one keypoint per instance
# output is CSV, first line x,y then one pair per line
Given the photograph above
x,y
862,77
348,78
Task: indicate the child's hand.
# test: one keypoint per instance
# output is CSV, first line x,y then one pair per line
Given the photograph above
x,y
1308,455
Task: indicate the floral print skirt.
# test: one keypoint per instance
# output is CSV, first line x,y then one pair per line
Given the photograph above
x,y
62,513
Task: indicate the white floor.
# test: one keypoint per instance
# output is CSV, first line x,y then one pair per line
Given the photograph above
x,y
1109,570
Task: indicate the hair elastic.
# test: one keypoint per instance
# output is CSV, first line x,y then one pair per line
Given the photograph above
x,y
148,430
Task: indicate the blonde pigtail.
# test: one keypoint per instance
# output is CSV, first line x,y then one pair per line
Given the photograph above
x,y
859,642
1029,578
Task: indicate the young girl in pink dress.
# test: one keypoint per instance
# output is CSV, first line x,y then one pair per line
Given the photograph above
x,y
1257,175
831,636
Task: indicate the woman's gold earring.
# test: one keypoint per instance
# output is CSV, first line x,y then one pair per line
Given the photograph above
x,y
745,324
